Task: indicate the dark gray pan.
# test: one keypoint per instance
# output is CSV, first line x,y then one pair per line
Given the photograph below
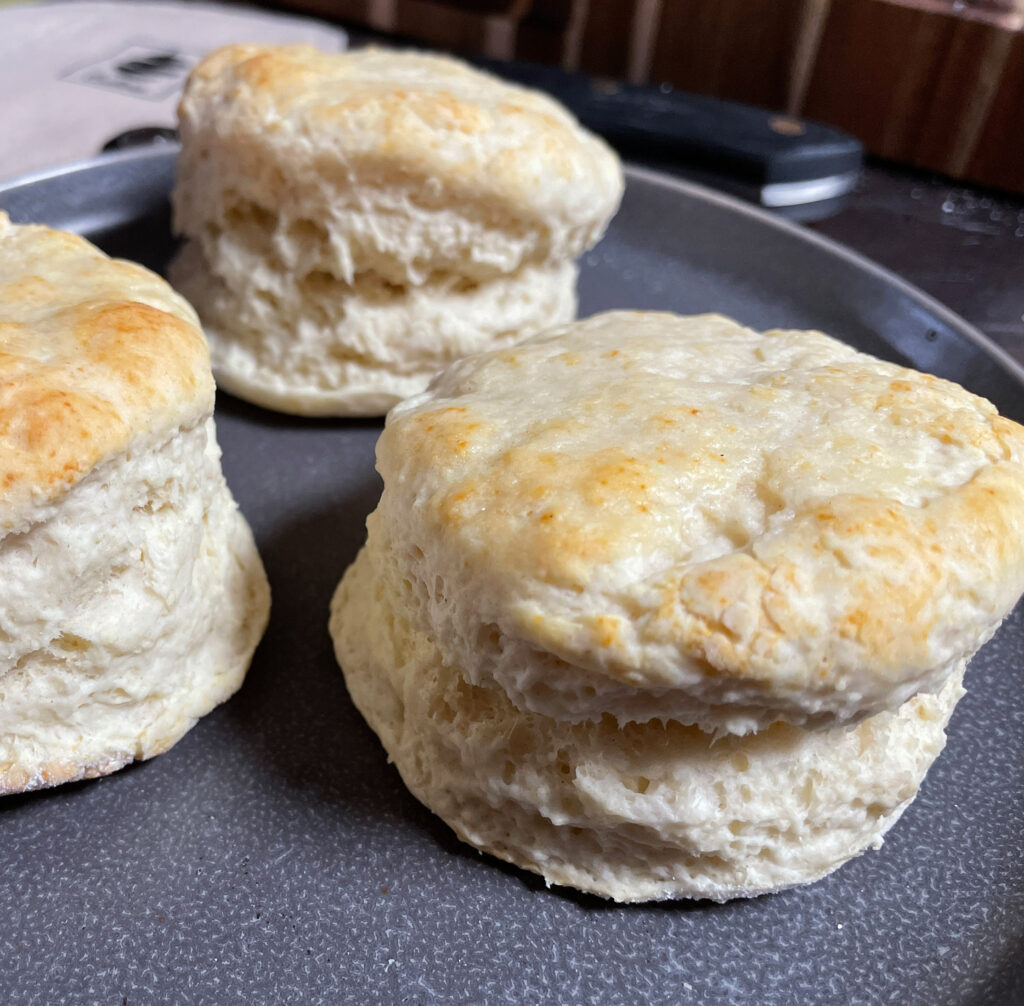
x,y
273,856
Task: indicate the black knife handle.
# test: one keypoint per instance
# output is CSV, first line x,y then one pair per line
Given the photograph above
x,y
750,144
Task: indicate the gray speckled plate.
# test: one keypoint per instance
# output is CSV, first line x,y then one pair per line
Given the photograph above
x,y
273,856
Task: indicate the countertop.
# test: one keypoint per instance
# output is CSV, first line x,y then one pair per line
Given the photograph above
x,y
962,245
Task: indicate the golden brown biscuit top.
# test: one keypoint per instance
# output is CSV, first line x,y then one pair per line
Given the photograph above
x,y
670,501
94,354
406,113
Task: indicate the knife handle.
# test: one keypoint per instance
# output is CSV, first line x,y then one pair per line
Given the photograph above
x,y
750,145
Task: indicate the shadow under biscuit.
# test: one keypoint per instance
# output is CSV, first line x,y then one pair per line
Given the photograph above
x,y
452,845
257,416
14,803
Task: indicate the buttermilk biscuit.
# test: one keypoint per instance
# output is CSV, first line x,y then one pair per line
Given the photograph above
x,y
654,585
633,812
354,222
133,596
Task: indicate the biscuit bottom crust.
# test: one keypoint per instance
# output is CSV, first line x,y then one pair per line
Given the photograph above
x,y
639,812
317,345
151,603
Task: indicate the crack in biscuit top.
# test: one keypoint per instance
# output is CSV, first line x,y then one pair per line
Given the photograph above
x,y
666,500
94,354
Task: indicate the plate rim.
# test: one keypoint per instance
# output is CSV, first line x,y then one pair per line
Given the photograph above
x,y
659,179
947,315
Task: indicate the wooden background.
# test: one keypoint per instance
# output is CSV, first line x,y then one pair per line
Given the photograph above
x,y
932,83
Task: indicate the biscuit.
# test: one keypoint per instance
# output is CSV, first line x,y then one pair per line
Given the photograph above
x,y
656,516
133,596
354,222
638,812
739,574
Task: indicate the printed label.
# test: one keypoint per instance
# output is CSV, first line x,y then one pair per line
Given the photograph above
x,y
142,70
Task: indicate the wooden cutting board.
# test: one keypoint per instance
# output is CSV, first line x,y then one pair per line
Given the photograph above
x,y
933,83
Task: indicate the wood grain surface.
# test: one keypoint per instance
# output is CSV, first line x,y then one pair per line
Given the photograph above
x,y
934,83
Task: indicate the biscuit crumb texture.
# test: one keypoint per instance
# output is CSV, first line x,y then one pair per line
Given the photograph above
x,y
665,607
133,597
654,516
637,812
111,653
357,221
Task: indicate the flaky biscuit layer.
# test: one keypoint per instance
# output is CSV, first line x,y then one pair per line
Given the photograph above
x,y
128,613
312,349
634,812
357,221
395,163
649,516
131,594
